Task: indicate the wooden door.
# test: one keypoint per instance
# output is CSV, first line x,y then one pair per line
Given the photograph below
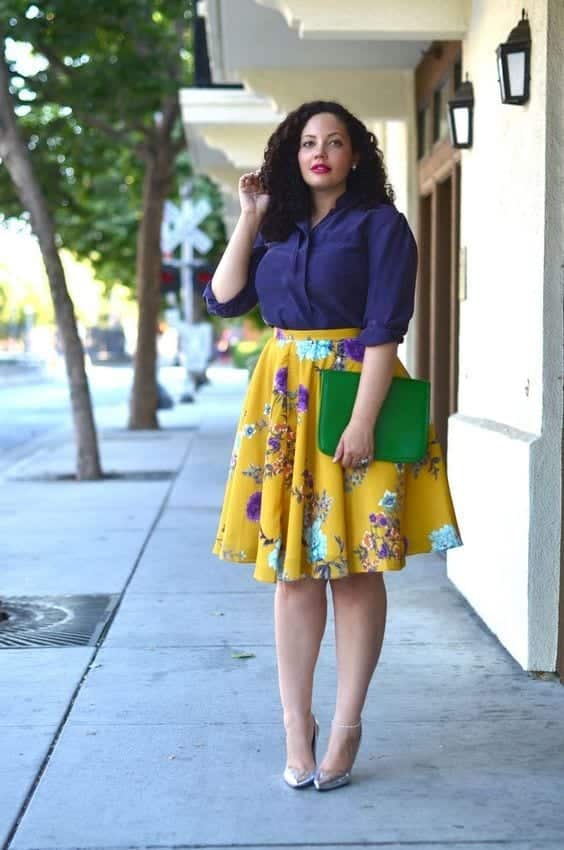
x,y
436,307
423,291
439,319
437,301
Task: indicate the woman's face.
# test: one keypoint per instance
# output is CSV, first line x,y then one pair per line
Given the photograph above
x,y
325,155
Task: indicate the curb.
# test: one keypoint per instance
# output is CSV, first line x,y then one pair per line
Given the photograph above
x,y
12,458
17,376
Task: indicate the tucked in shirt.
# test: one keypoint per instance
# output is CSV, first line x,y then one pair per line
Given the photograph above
x,y
355,268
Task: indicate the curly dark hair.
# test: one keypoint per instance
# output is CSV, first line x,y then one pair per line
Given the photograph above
x,y
290,196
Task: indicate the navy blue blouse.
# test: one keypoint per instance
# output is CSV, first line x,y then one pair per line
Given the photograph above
x,y
355,268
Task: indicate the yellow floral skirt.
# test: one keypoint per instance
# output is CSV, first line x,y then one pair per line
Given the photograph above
x,y
293,512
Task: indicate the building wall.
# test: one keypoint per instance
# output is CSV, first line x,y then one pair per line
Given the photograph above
x,y
546,490
502,226
504,431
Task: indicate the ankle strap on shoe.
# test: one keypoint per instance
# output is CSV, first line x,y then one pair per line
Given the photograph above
x,y
346,725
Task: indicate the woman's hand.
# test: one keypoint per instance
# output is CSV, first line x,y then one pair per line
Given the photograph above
x,y
356,444
252,195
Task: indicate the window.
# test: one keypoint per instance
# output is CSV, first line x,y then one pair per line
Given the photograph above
x,y
420,133
440,110
435,86
457,74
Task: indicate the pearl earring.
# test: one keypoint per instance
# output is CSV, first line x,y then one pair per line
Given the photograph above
x,y
354,167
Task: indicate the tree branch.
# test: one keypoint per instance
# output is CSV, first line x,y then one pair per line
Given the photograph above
x,y
52,58
171,113
179,145
97,123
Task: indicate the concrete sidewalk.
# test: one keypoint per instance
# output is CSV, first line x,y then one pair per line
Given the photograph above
x,y
161,737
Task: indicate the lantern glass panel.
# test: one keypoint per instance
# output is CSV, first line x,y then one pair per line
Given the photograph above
x,y
461,118
516,71
501,77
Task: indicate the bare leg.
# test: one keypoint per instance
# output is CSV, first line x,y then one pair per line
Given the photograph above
x,y
300,614
360,618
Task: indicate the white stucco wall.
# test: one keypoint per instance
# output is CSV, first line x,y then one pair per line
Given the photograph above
x,y
502,226
546,459
504,431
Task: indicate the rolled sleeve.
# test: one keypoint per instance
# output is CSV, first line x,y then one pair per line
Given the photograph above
x,y
392,270
247,298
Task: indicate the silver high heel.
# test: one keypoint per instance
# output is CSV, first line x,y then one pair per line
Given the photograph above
x,y
325,780
296,778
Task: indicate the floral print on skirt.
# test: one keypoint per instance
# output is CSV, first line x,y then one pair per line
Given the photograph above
x,y
293,512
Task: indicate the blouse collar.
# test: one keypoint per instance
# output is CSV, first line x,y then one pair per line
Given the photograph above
x,y
347,199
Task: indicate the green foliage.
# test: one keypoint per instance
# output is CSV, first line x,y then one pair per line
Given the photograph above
x,y
101,76
246,352
113,59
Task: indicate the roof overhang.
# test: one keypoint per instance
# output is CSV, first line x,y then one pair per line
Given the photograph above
x,y
375,20
246,34
372,94
232,122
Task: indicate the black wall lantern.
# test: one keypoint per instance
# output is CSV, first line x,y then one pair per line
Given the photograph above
x,y
461,116
514,64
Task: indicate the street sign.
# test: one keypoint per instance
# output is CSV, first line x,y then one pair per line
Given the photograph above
x,y
200,240
180,224
180,227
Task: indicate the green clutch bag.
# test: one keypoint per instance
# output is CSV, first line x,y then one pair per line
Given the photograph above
x,y
401,430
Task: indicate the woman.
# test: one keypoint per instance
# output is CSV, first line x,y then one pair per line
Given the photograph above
x,y
332,263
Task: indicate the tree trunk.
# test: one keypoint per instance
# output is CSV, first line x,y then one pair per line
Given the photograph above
x,y
157,184
16,158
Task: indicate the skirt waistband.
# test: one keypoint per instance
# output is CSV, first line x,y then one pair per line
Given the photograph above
x,y
324,333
